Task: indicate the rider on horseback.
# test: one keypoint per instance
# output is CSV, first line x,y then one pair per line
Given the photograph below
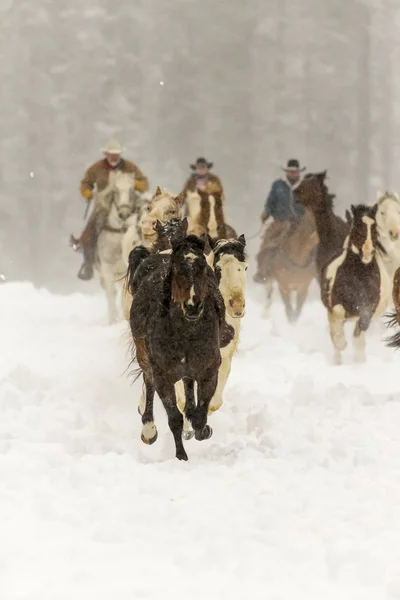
x,y
285,211
202,179
97,175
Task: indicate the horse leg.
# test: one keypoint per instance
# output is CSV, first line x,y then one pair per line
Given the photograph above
x,y
336,327
111,293
301,296
362,325
223,374
205,391
269,288
149,430
166,392
188,432
285,294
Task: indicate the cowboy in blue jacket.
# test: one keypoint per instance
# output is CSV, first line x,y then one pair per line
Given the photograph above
x,y
285,211
280,204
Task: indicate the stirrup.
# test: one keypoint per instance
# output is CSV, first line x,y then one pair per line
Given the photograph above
x,y
74,243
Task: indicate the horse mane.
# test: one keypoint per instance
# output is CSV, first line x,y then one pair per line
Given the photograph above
x,y
233,246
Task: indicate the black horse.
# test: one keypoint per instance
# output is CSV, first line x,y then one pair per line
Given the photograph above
x,y
178,326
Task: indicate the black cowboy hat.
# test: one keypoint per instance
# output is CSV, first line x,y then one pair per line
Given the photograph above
x,y
293,165
200,162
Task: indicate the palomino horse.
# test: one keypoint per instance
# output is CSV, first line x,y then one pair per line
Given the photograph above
x,y
292,266
312,193
120,205
163,207
206,215
176,319
355,285
388,223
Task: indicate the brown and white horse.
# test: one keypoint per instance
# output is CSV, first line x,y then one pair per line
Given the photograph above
x,y
355,285
206,215
228,261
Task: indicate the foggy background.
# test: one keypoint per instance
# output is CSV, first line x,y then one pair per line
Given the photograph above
x,y
247,84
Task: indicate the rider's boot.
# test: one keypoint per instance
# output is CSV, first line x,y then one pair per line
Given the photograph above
x,y
86,270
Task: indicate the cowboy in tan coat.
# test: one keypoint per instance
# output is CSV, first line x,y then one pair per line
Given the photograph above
x,y
96,176
202,179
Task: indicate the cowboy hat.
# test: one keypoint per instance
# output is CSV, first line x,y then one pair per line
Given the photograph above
x,y
112,147
200,162
293,165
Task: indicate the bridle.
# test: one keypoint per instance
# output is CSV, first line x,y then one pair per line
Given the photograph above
x,y
124,227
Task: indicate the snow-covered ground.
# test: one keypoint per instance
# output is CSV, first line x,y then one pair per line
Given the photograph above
x,y
296,496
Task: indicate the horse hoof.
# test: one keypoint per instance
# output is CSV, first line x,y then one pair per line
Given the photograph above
x,y
146,436
204,434
188,435
181,455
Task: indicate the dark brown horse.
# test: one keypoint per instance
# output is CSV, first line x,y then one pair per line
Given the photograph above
x,y
292,265
332,230
355,284
206,215
178,325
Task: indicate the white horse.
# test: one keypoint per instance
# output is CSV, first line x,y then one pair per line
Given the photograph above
x,y
388,224
120,205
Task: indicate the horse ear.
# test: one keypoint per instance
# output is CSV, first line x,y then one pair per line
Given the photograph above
x,y
242,240
348,217
207,246
212,243
184,225
322,175
159,226
179,199
379,194
158,191
374,210
353,209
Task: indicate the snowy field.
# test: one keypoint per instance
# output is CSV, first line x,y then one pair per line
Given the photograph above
x,y
296,496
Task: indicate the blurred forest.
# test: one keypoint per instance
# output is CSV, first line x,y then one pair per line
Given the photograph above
x,y
247,84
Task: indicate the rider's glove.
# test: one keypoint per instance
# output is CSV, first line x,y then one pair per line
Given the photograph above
x,y
140,185
264,217
87,194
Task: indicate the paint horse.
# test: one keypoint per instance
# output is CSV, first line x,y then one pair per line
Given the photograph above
x,y
177,322
394,316
228,260
206,215
355,285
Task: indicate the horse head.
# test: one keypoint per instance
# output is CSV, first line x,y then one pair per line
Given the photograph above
x,y
120,196
312,191
388,215
364,234
228,260
189,285
163,207
173,231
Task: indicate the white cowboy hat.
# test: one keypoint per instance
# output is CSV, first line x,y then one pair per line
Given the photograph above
x,y
113,147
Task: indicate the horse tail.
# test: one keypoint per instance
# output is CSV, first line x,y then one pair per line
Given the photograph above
x,y
136,257
394,340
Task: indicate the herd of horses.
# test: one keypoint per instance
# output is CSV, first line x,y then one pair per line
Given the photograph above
x,y
182,269
356,262
182,273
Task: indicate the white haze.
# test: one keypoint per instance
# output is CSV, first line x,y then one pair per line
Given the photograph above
x,y
246,84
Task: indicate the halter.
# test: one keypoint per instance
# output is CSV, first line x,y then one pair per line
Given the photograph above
x,y
124,228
